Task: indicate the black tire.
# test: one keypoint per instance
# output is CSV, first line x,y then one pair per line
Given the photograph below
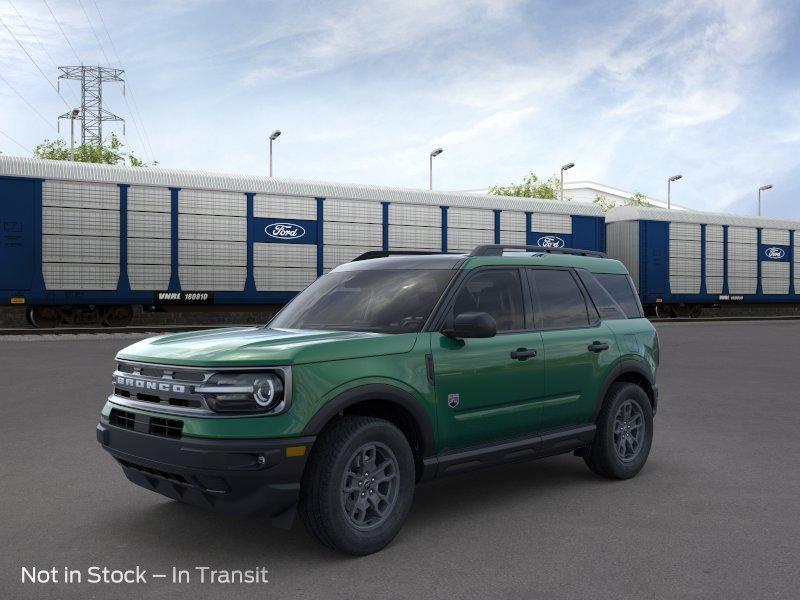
x,y
605,457
323,494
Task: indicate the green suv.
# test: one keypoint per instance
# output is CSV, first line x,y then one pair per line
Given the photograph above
x,y
389,371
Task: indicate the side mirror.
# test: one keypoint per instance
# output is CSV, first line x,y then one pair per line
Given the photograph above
x,y
472,325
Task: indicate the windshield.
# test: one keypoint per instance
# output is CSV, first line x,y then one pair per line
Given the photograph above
x,y
381,301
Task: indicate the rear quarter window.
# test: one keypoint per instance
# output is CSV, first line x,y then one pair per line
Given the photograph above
x,y
621,289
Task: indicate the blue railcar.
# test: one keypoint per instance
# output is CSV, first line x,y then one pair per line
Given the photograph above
x,y
682,261
93,241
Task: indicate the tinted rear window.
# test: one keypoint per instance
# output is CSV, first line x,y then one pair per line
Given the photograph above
x,y
559,299
623,292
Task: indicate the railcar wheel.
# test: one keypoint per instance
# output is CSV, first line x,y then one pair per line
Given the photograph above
x,y
118,316
44,317
695,311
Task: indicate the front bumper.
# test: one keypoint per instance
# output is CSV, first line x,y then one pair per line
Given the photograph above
x,y
244,477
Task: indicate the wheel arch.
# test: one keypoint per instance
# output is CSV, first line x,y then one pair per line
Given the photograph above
x,y
631,371
383,401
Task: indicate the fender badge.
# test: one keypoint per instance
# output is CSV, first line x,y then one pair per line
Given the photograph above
x,y
453,400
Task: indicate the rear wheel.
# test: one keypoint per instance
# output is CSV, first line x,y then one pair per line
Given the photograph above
x,y
624,433
358,485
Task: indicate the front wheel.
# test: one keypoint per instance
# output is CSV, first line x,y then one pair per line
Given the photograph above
x,y
358,485
624,433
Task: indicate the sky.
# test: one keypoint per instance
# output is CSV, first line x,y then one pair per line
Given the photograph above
x,y
631,92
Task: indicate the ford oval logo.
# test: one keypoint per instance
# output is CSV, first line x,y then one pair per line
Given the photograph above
x,y
550,241
775,253
285,231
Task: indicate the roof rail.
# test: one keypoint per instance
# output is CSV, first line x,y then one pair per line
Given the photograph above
x,y
386,253
497,250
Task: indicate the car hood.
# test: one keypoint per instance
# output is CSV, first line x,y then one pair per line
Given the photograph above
x,y
259,346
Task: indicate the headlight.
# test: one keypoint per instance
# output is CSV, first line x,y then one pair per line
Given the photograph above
x,y
243,392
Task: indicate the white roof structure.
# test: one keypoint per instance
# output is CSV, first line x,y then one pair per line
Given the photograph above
x,y
639,213
157,176
587,191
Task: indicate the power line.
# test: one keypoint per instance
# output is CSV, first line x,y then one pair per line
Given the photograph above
x,y
38,41
16,142
35,64
99,43
21,97
136,114
61,29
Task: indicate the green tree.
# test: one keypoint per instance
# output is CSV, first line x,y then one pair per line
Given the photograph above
x,y
531,187
606,204
112,153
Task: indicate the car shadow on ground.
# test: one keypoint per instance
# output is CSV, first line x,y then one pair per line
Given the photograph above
x,y
191,531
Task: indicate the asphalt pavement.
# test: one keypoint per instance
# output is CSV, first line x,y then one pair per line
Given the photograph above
x,y
714,514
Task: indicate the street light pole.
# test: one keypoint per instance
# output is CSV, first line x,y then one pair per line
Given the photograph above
x,y
565,167
72,115
273,136
669,189
436,152
763,188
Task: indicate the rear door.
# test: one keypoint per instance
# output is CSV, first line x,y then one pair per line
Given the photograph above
x,y
483,393
17,227
579,347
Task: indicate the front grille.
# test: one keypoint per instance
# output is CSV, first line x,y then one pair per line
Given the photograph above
x,y
122,418
150,471
172,428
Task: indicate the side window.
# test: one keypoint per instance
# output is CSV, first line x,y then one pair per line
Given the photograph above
x,y
606,305
623,292
497,292
559,299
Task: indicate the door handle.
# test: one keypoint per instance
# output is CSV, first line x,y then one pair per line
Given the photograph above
x,y
522,354
597,347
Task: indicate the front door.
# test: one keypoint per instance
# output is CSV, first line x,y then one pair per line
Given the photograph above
x,y
17,228
579,348
484,394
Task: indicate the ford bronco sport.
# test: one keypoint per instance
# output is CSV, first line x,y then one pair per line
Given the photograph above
x,y
386,372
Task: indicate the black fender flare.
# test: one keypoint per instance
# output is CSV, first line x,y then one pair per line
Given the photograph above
x,y
622,368
375,391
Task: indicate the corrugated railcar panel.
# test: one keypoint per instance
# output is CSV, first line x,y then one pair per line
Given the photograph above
x,y
80,276
149,225
80,194
622,243
714,285
742,285
715,250
284,207
415,214
205,202
684,231
742,252
203,252
684,284
149,199
742,268
337,255
76,221
348,234
74,248
715,267
144,251
775,277
714,233
353,211
470,218
684,248
742,235
208,227
775,236
684,266
551,223
512,220
148,277
283,280
467,239
513,237
207,278
408,236
285,255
